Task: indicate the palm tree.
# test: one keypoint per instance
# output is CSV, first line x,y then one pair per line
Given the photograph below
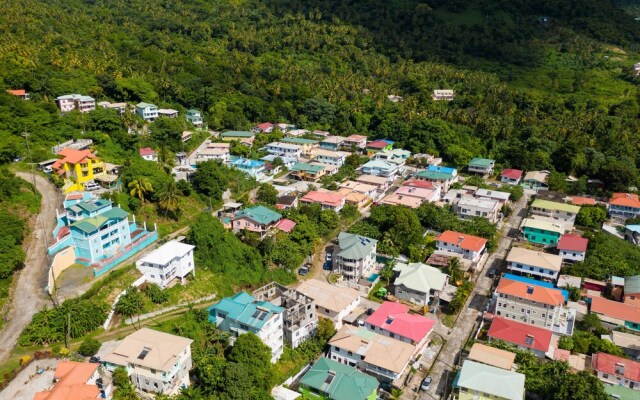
x,y
387,271
139,188
454,269
130,304
166,160
396,394
169,198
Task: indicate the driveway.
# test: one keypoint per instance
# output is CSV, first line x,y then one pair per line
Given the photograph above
x,y
29,289
443,369
27,383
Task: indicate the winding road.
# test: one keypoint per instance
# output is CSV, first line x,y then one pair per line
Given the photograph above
x,y
29,295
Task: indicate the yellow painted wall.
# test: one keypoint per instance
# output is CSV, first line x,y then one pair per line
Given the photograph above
x,y
61,261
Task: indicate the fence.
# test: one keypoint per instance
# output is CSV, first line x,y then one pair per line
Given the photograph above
x,y
136,246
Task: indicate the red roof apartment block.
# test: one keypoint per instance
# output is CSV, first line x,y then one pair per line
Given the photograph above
x,y
511,173
573,242
541,294
520,334
395,318
614,365
466,242
625,199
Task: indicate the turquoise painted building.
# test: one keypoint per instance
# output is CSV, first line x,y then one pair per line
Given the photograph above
x,y
333,380
541,232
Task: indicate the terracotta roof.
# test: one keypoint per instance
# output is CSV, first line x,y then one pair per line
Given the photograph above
x,y
419,184
466,242
540,294
520,334
378,144
625,199
17,92
73,156
331,198
573,242
395,317
512,173
264,125
614,309
355,138
147,151
583,201
608,364
72,382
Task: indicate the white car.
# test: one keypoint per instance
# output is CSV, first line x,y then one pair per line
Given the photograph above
x,y
89,186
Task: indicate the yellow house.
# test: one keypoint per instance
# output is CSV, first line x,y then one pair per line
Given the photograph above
x,y
77,167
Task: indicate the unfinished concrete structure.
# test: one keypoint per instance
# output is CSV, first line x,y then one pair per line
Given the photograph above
x,y
300,318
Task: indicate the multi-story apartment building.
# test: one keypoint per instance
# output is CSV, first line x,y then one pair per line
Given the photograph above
x,y
376,354
469,246
624,206
156,362
194,117
78,102
419,283
559,211
147,111
330,157
172,260
534,263
470,207
393,156
242,313
532,302
283,149
380,168
332,301
300,320
354,256
357,141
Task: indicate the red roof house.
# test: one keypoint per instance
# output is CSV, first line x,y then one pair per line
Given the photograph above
x,y
617,313
573,242
147,151
265,127
419,184
616,370
625,200
522,335
471,247
540,294
286,225
20,93
511,174
583,201
394,318
328,200
72,382
378,144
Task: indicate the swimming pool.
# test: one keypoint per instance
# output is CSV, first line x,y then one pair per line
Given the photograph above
x,y
373,277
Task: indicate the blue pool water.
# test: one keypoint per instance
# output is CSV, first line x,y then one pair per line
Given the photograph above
x,y
373,277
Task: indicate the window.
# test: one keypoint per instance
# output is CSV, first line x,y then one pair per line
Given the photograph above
x,y
528,340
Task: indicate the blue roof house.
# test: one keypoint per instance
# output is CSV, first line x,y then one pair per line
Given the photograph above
x,y
242,313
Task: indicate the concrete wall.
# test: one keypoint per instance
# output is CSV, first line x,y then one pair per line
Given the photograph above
x,y
61,261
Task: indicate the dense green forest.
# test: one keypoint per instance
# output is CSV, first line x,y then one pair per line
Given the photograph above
x,y
559,94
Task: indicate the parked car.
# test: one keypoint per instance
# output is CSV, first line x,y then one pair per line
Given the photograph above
x,y
303,271
89,186
426,383
491,273
47,169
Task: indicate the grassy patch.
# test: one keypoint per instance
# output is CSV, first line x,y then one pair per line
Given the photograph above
x,y
5,285
448,320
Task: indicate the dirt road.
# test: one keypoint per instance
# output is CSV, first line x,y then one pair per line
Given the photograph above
x,y
29,295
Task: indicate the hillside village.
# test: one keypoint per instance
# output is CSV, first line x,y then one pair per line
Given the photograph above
x,y
469,302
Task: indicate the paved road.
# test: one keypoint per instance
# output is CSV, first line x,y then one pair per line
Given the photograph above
x,y
456,337
29,290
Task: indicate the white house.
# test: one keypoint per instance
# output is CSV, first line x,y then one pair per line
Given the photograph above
x,y
535,263
330,157
418,283
332,302
78,102
501,197
469,246
170,261
469,207
148,154
443,94
147,111
283,149
379,168
355,256
572,247
156,362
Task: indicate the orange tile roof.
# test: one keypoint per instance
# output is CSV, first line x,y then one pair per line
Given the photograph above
x,y
73,156
331,198
540,294
603,362
583,201
614,309
625,199
17,92
466,242
72,382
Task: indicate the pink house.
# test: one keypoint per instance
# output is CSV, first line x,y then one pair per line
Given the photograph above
x,y
78,102
424,194
393,320
355,140
328,200
257,219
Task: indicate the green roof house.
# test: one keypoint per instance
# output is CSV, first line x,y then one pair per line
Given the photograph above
x,y
484,382
337,381
257,219
558,211
147,111
482,166
194,117
355,256
236,135
243,313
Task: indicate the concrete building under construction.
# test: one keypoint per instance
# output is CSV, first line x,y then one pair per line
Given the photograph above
x,y
300,318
